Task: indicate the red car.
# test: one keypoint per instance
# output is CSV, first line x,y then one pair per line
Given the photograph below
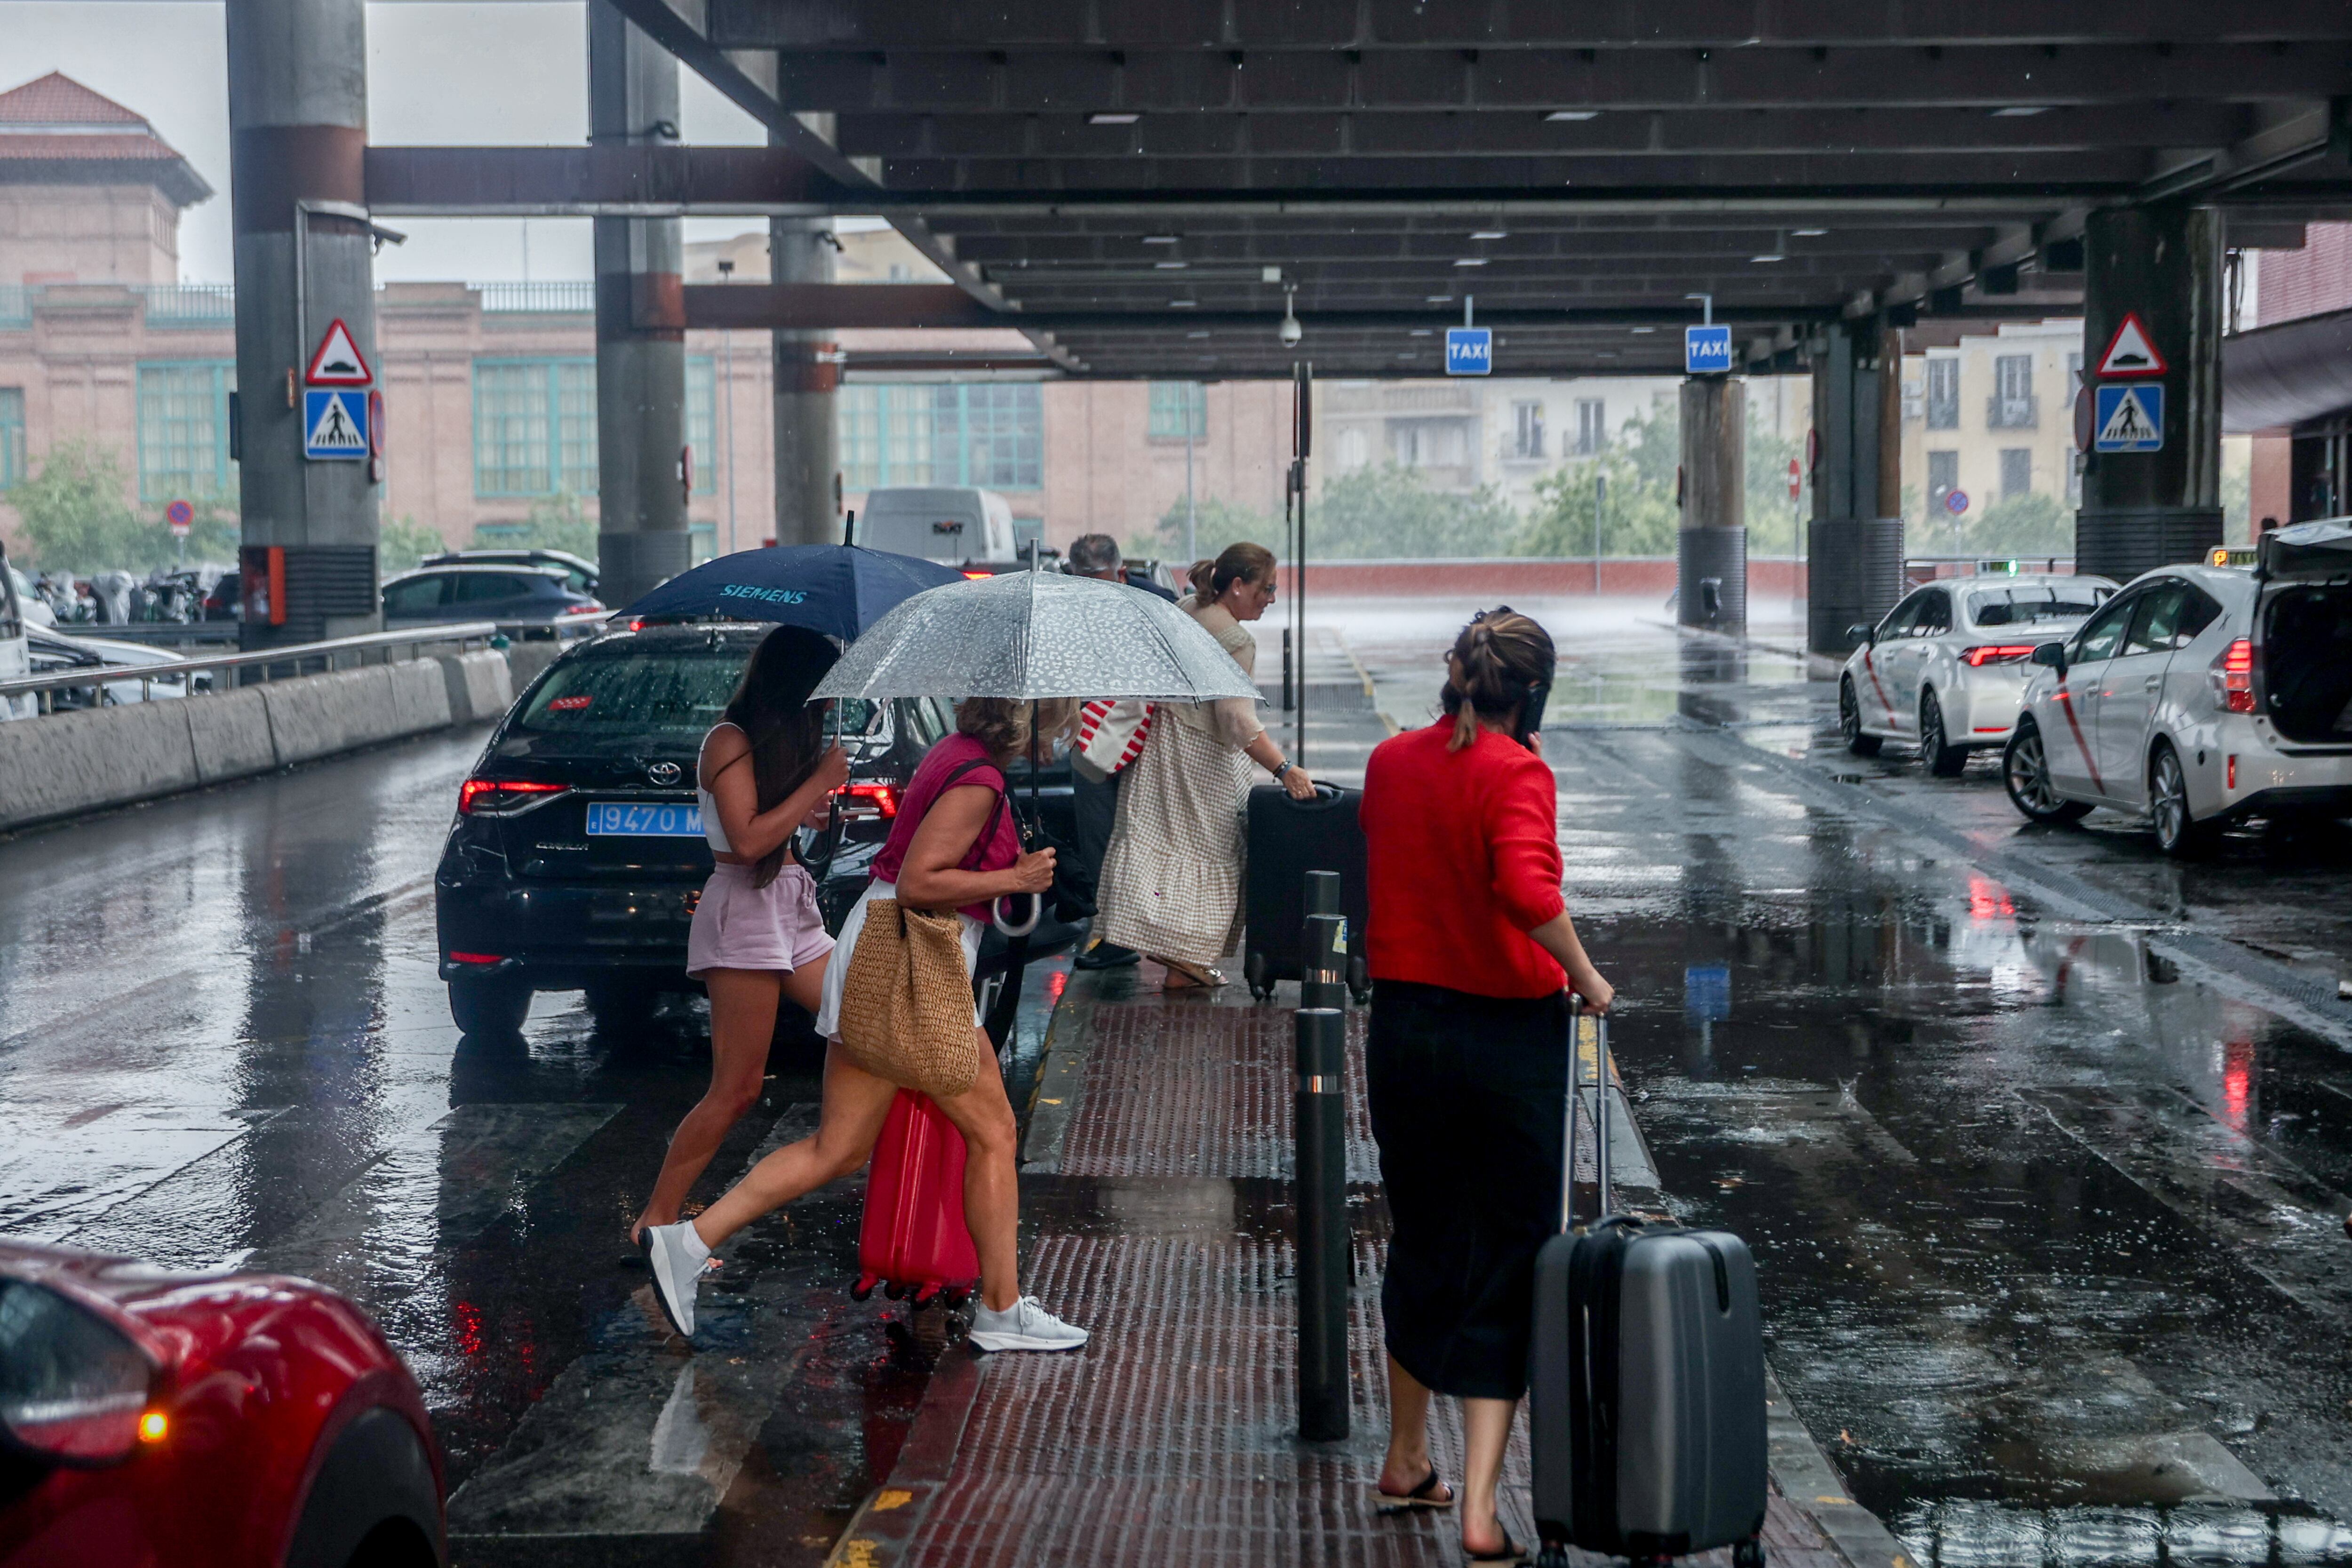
x,y
150,1418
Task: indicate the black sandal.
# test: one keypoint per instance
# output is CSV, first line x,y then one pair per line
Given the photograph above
x,y
1425,1495
1511,1551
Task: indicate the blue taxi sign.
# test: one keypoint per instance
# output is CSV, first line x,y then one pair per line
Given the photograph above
x,y
1469,351
1707,351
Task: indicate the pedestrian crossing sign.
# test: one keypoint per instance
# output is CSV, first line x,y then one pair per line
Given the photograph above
x,y
334,424
2128,419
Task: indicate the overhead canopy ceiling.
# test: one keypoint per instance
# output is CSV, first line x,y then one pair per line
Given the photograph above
x,y
1147,182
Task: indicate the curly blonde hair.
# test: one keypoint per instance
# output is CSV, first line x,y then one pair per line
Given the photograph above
x,y
1001,725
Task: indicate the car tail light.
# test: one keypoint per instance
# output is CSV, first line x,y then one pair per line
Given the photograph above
x,y
591,608
1996,654
868,801
2233,677
73,1389
491,797
476,959
2232,784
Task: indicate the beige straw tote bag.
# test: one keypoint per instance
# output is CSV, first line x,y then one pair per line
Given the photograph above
x,y
906,1003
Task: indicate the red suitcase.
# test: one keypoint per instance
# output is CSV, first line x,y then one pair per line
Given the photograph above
x,y
914,1238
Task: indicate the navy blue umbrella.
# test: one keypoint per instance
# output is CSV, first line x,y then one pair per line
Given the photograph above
x,y
839,590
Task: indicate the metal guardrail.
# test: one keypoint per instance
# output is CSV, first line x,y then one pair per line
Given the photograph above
x,y
270,664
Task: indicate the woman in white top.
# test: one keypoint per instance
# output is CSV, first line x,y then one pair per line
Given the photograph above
x,y
757,935
1172,879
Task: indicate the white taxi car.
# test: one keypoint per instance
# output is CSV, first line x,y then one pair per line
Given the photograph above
x,y
2200,694
1945,668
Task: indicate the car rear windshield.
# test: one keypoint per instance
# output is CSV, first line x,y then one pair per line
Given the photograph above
x,y
670,697
2307,661
2024,606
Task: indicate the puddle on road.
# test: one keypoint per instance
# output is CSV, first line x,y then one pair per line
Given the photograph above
x,y
2050,1237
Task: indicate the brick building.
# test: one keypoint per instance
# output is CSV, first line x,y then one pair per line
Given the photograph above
x,y
2306,473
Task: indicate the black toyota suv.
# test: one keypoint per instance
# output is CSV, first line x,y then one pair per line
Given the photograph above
x,y
578,853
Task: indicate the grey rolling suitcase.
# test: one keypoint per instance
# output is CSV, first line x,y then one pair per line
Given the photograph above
x,y
1646,1377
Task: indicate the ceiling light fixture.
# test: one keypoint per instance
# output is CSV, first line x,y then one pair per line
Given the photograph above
x,y
1438,300
1184,304
1469,261
1809,233
1195,336
1290,331
1423,333
2020,110
1170,265
1490,234
1111,118
1637,332
1161,239
1567,114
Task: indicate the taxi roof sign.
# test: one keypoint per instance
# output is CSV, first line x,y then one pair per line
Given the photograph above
x,y
2231,555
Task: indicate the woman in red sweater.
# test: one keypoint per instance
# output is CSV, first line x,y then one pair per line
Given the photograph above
x,y
1473,956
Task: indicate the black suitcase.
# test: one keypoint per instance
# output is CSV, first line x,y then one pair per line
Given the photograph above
x,y
1288,839
1646,1377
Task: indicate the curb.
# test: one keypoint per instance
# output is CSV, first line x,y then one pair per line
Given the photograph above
x,y
887,1522
1818,666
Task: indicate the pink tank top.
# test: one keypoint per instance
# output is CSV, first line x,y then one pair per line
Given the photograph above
x,y
994,852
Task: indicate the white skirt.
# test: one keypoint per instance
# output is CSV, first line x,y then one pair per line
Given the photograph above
x,y
836,973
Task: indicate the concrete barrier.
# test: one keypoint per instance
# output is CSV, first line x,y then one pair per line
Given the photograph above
x,y
64,765
525,660
481,686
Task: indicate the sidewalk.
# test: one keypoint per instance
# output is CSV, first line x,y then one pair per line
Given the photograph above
x,y
1156,1201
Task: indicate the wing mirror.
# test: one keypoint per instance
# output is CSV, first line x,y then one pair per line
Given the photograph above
x,y
1862,632
2052,654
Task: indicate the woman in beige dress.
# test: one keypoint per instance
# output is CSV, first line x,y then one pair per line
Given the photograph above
x,y
1172,879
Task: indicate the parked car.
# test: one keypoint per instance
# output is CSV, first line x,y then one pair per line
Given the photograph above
x,y
2200,694
1945,668
212,1419
15,651
483,592
51,651
224,601
577,852
957,525
579,576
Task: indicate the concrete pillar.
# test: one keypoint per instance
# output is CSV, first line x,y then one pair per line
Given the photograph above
x,y
1711,570
640,325
2146,509
304,259
808,372
1853,546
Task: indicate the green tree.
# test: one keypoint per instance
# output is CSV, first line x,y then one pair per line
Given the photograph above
x,y
1771,517
559,521
79,518
1638,512
403,542
1217,523
1390,513
2035,523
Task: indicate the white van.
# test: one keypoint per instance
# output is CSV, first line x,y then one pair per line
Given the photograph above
x,y
15,657
948,523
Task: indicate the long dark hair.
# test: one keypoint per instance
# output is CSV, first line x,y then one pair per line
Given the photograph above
x,y
772,707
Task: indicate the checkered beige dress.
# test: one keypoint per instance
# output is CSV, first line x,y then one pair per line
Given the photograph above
x,y
1171,877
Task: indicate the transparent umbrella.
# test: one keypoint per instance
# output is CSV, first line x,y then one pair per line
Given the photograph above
x,y
1037,634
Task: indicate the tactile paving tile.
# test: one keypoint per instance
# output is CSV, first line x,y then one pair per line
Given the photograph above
x,y
1197,1091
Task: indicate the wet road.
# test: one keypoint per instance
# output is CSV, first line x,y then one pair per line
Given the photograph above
x,y
2042,1139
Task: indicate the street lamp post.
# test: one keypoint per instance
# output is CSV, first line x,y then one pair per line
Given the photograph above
x,y
727,404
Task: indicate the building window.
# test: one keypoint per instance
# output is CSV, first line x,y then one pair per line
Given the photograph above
x,y
1526,429
184,430
1944,394
1428,443
1591,425
1943,478
535,427
992,435
12,436
702,423
1353,450
2073,374
2011,407
2016,471
1177,407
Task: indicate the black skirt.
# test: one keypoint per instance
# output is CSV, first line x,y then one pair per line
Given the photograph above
x,y
1467,1094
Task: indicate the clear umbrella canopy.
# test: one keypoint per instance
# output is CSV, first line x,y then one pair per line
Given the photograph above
x,y
1037,634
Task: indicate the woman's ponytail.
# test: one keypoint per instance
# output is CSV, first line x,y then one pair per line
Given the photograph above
x,y
1496,665
1242,562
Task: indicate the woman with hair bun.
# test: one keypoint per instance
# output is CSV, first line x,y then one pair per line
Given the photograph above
x,y
1473,956
1172,879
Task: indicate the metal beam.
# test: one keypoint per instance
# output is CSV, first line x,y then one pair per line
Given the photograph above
x,y
609,180
818,306
2294,138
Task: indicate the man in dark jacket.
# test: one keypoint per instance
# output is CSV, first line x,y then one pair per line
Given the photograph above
x,y
1094,793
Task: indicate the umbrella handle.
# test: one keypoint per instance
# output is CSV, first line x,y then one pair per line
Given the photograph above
x,y
1019,928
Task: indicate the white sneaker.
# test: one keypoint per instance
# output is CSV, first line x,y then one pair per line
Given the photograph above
x,y
1024,1325
677,1256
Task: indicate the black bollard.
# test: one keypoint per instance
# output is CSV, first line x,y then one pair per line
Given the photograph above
x,y
1322,892
1320,1187
1323,976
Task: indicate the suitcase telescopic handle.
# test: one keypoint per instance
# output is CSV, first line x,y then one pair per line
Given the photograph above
x,y
1600,1113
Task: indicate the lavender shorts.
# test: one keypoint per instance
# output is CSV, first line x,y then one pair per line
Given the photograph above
x,y
739,925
